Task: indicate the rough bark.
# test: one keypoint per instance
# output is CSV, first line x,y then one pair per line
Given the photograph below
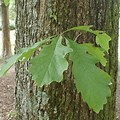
x,y
6,49
38,19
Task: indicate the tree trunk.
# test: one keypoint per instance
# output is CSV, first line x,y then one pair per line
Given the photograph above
x,y
6,50
39,19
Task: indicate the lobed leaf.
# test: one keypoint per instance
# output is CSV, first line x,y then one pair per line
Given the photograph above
x,y
90,80
103,41
102,38
96,52
50,64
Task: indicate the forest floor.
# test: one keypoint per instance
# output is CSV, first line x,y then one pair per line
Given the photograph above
x,y
7,95
7,84
7,101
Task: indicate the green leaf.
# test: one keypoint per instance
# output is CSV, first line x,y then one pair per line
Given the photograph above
x,y
96,52
50,64
102,38
26,53
90,80
7,2
23,55
9,63
84,28
103,41
87,29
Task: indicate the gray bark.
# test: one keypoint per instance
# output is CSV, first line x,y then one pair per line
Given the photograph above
x,y
39,19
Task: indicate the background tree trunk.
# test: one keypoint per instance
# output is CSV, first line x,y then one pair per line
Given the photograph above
x,y
39,19
6,52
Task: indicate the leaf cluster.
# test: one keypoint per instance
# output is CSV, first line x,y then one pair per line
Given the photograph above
x,y
51,62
